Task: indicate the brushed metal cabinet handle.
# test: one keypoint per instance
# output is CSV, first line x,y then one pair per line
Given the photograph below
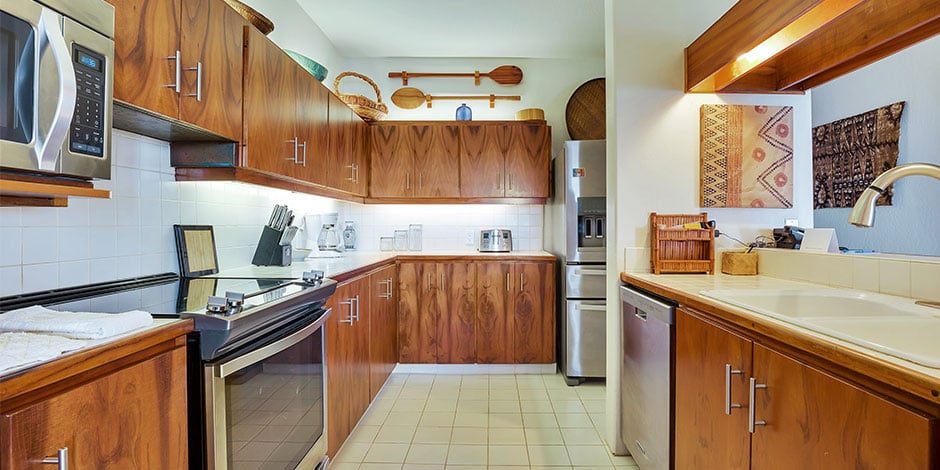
x,y
429,282
175,86
442,281
61,460
751,418
198,69
521,282
293,143
508,288
357,307
390,288
351,316
728,373
304,162
407,180
420,181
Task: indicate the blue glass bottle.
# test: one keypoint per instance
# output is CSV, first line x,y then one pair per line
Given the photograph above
x,y
464,113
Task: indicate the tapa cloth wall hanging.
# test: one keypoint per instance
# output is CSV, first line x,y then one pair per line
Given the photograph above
x,y
747,156
850,153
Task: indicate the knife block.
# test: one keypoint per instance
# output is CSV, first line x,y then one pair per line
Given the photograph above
x,y
269,251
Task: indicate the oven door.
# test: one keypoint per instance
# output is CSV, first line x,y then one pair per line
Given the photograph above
x,y
265,404
37,86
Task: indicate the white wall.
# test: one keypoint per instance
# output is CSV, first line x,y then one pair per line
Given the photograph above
x,y
912,223
546,84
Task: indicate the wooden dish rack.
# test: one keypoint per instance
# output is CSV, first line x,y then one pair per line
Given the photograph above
x,y
681,250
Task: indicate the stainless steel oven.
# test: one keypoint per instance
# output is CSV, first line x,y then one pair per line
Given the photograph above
x,y
265,402
56,69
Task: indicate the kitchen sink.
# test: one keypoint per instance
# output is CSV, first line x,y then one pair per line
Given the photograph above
x,y
892,325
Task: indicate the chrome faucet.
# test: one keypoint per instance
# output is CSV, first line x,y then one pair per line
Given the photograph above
x,y
863,214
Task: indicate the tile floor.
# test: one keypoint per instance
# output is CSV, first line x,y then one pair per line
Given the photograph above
x,y
470,422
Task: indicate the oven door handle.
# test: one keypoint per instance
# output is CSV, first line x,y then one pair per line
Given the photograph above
x,y
238,363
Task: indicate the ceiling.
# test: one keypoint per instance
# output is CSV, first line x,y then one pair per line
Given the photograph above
x,y
540,29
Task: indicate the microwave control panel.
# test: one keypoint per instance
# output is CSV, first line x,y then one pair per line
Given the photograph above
x,y
86,134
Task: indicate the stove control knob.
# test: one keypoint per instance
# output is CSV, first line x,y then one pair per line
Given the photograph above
x,y
216,305
313,277
235,301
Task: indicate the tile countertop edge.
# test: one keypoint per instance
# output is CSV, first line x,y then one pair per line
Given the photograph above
x,y
871,368
354,264
72,367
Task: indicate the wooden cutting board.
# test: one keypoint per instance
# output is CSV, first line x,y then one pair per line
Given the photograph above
x,y
586,113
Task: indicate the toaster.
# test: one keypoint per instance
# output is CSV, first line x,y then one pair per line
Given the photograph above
x,y
496,240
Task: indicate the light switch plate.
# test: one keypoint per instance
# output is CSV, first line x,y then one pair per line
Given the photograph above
x,y
468,238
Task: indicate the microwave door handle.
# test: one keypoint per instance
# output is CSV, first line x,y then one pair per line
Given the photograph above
x,y
50,37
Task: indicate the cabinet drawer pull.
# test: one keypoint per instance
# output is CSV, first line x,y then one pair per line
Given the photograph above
x,y
728,373
521,282
175,86
499,181
442,281
389,288
303,162
293,143
509,188
407,180
352,317
357,308
751,419
198,69
61,460
508,288
420,181
429,282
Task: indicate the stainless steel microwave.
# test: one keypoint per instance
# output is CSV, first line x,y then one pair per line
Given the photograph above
x,y
56,72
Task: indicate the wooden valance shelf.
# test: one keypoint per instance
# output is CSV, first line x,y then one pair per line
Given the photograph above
x,y
789,46
30,193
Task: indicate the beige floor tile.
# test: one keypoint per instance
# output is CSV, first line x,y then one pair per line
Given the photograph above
x,y
592,467
595,406
466,467
568,406
539,420
533,395
420,379
599,420
409,418
591,391
382,406
436,418
417,393
589,455
506,420
536,406
549,467
581,436
433,435
548,455
506,436
559,394
504,406
530,381
473,394
543,436
375,466
473,420
507,455
472,406
469,436
364,434
623,461
389,434
475,382
387,453
504,394
334,465
422,466
373,418
427,454
352,452
459,454
445,380
510,467
409,404
441,405
574,420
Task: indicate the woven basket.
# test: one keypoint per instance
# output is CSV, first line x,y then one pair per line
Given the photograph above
x,y
364,107
257,19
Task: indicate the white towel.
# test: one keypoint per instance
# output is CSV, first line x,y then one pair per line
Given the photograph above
x,y
79,325
17,349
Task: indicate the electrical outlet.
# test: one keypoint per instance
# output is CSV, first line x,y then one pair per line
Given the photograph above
x,y
791,222
468,238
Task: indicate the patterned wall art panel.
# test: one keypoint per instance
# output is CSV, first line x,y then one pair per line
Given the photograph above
x,y
850,153
747,156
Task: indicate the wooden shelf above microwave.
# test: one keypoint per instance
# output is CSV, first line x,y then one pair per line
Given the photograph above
x,y
789,46
40,192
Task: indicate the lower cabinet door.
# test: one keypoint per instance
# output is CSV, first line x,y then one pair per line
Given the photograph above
x,y
534,313
808,419
133,418
418,313
494,322
383,327
456,325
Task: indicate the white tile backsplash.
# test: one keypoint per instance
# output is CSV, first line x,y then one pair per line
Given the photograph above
x,y
131,234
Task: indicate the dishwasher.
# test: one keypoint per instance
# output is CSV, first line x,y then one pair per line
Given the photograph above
x,y
647,372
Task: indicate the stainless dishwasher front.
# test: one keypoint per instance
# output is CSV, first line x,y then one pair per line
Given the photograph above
x,y
647,372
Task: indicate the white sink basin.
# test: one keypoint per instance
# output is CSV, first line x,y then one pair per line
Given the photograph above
x,y
888,324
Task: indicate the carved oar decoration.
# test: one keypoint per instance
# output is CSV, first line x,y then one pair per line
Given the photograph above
x,y
504,75
411,98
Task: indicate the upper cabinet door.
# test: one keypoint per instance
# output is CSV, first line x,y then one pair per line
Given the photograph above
x,y
528,161
360,154
211,59
346,148
481,161
270,141
146,41
313,128
392,161
436,161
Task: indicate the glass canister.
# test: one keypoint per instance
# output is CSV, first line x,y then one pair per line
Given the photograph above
x,y
386,243
414,237
401,240
349,236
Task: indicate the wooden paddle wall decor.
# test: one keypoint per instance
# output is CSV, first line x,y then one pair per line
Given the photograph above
x,y
504,75
411,98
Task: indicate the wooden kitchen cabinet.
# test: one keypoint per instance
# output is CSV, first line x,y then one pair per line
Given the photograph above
x,y
182,60
494,319
456,327
348,157
347,359
312,125
436,313
414,161
383,327
505,160
516,315
805,417
122,406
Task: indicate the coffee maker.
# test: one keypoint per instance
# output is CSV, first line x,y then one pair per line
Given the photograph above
x,y
319,233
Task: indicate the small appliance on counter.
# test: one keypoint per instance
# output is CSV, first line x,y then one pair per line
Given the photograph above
x,y
329,239
321,234
496,240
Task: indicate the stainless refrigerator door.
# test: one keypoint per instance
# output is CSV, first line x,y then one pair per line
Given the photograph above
x,y
585,338
586,281
585,174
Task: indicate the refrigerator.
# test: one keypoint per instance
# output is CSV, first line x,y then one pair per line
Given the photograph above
x,y
578,221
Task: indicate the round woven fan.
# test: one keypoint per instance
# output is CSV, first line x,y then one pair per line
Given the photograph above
x,y
585,114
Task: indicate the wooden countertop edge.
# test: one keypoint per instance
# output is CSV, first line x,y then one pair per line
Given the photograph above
x,y
417,258
31,385
922,390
